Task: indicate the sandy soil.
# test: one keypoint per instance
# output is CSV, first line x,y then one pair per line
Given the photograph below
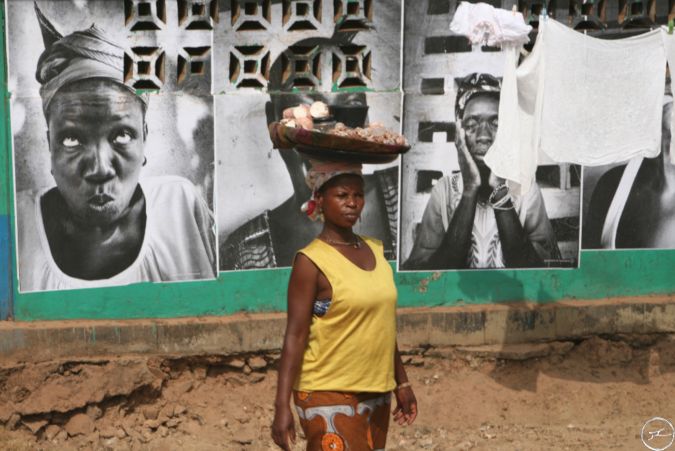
x,y
595,394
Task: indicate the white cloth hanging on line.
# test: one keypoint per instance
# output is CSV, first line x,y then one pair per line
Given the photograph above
x,y
579,99
485,24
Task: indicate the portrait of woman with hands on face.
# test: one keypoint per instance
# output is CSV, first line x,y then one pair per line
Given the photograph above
x,y
472,220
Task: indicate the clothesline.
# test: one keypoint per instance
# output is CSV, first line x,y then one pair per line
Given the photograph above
x,y
608,33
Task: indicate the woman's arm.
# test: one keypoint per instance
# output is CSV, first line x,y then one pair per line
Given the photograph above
x,y
302,290
454,248
518,250
406,404
598,207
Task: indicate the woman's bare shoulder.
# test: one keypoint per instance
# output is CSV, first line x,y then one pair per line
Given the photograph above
x,y
304,267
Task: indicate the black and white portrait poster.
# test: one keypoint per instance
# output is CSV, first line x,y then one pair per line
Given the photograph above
x,y
630,205
112,123
456,214
345,54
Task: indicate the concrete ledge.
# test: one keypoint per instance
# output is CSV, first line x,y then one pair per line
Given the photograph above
x,y
441,326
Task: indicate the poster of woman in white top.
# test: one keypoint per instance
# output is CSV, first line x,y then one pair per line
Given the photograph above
x,y
113,171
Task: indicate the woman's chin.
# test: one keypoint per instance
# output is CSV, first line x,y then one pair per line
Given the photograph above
x,y
102,215
343,223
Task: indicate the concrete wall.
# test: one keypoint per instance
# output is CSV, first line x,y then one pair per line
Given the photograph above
x,y
500,325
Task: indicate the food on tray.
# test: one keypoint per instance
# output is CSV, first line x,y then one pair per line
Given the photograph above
x,y
375,132
303,116
319,110
298,116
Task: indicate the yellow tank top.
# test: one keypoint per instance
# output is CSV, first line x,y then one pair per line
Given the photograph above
x,y
351,347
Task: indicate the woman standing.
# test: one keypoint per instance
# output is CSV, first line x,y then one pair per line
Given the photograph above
x,y
340,359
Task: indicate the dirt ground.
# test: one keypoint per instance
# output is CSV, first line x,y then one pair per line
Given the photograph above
x,y
593,394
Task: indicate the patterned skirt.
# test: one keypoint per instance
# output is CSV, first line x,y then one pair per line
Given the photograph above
x,y
337,421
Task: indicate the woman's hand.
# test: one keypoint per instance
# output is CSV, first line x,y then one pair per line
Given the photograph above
x,y
406,406
283,428
467,166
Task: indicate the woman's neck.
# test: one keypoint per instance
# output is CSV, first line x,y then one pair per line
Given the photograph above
x,y
94,252
334,232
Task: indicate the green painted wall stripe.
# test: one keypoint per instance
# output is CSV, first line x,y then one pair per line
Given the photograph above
x,y
5,268
602,274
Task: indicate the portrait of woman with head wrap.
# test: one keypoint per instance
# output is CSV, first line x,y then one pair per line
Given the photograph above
x,y
271,238
99,223
340,352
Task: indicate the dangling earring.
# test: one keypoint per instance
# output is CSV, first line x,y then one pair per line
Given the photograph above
x,y
145,161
